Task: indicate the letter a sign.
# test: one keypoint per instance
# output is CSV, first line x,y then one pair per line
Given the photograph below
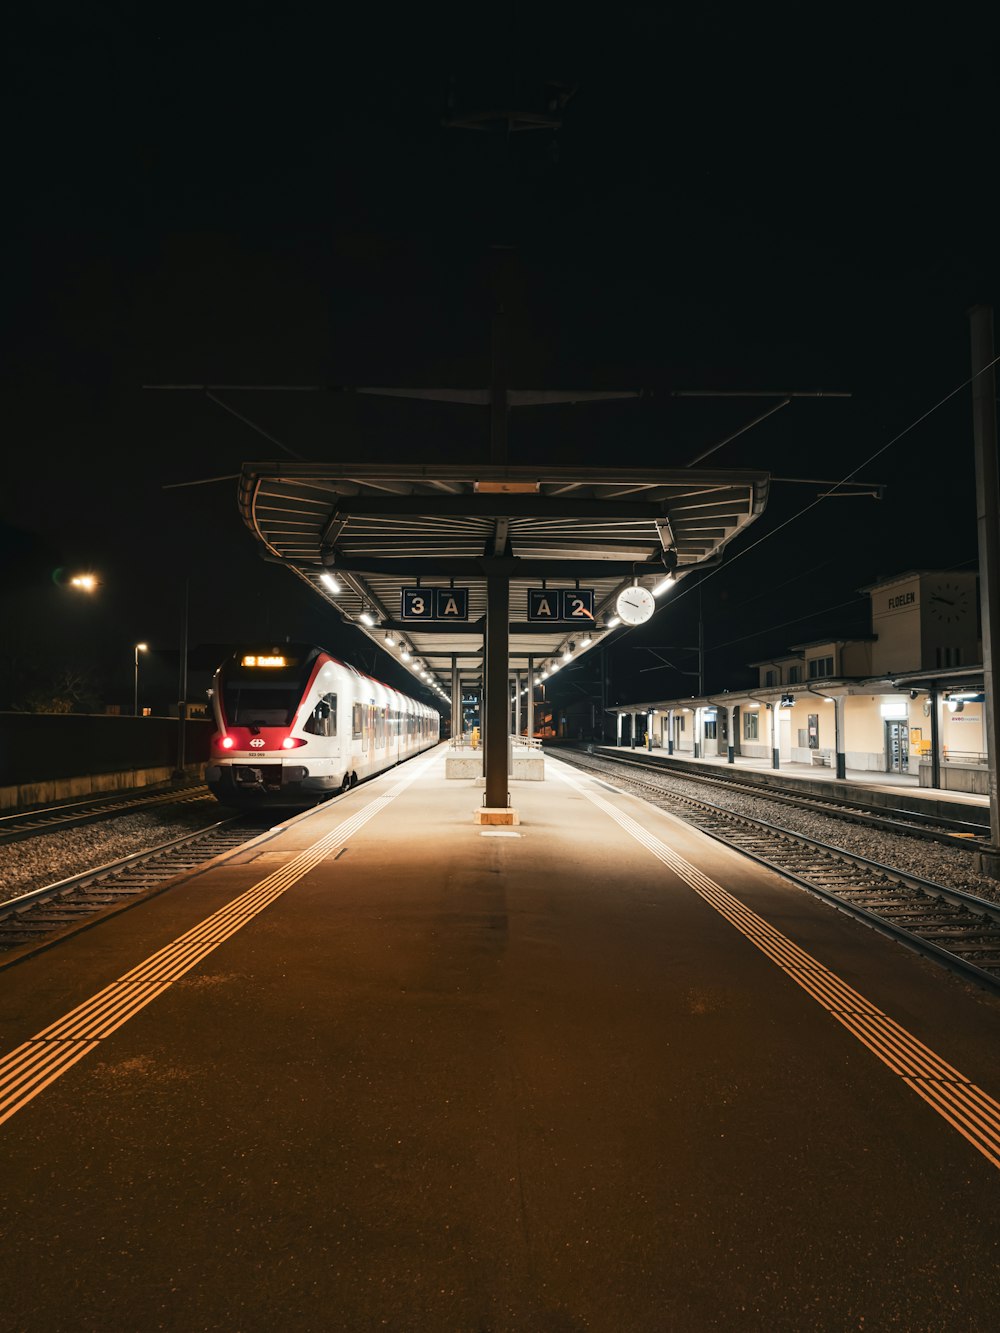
x,y
451,604
543,604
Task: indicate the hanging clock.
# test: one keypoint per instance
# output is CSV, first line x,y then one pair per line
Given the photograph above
x,y
635,605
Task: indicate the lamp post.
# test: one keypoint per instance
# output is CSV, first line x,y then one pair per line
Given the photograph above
x,y
139,648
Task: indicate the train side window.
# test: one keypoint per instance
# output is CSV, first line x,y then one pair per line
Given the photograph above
x,y
357,722
323,719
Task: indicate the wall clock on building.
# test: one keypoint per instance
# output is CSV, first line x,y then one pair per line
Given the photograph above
x,y
635,605
948,603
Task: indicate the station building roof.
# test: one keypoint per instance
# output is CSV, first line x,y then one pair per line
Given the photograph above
x,y
949,680
358,534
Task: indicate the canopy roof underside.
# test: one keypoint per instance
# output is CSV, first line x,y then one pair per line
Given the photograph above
x,y
379,528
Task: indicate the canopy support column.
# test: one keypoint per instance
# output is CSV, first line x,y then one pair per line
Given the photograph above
x,y
457,729
496,807
839,728
531,697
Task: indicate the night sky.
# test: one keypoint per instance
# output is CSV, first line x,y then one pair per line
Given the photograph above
x,y
267,195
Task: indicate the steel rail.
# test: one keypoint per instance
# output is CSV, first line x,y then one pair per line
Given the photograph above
x,y
75,901
24,824
915,823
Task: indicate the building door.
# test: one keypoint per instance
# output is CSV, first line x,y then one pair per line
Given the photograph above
x,y
897,747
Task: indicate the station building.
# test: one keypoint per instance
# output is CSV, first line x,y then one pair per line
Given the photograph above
x,y
907,699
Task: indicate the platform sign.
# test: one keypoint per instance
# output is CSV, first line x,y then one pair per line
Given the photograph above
x,y
577,604
451,603
543,604
416,604
560,604
434,604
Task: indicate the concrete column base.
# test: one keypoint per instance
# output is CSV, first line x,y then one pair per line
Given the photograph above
x,y
487,814
988,861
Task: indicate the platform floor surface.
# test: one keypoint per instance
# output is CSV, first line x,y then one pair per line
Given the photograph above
x,y
387,1069
856,777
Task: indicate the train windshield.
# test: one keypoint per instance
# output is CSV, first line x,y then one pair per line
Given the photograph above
x,y
249,704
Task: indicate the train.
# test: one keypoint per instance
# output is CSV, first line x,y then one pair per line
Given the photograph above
x,y
296,726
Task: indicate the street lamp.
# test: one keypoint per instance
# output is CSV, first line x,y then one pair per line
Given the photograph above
x,y
139,648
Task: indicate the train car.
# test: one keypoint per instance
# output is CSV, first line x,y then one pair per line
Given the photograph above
x,y
296,726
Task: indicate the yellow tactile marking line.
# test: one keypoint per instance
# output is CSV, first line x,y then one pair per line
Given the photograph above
x,y
966,1107
28,1070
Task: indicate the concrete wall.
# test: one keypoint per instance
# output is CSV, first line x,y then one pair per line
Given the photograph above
x,y
856,658
53,756
896,623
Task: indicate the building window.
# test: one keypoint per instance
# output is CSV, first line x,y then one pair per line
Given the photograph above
x,y
769,678
820,667
750,726
711,731
948,657
794,675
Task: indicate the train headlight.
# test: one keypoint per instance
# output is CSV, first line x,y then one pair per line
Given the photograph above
x,y
226,743
291,743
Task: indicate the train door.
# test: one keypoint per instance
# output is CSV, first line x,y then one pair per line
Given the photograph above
x,y
897,747
785,735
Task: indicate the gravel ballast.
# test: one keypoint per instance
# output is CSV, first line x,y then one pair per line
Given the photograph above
x,y
42,860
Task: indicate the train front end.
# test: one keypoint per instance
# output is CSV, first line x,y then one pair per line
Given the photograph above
x,y
260,754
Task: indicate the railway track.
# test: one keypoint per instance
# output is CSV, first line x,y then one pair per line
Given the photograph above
x,y
70,902
91,810
935,828
956,929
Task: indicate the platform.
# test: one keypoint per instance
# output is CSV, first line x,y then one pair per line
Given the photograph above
x,y
899,790
386,1068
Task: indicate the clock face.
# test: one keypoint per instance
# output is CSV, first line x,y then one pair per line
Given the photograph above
x,y
635,605
948,603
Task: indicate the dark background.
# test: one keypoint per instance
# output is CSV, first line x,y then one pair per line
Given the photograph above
x,y
268,195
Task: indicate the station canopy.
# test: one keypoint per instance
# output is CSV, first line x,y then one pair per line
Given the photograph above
x,y
361,534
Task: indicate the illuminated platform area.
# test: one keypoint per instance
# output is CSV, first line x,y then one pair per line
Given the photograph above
x,y
390,1068
898,790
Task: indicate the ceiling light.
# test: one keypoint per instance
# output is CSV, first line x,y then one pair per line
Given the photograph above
x,y
615,620
330,582
507,487
390,641
664,584
366,618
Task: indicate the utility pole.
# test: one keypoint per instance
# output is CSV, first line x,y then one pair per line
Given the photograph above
x,y
984,424
182,687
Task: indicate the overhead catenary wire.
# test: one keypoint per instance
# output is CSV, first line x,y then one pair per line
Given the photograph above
x,y
843,481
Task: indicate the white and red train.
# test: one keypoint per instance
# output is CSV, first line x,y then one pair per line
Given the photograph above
x,y
295,726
